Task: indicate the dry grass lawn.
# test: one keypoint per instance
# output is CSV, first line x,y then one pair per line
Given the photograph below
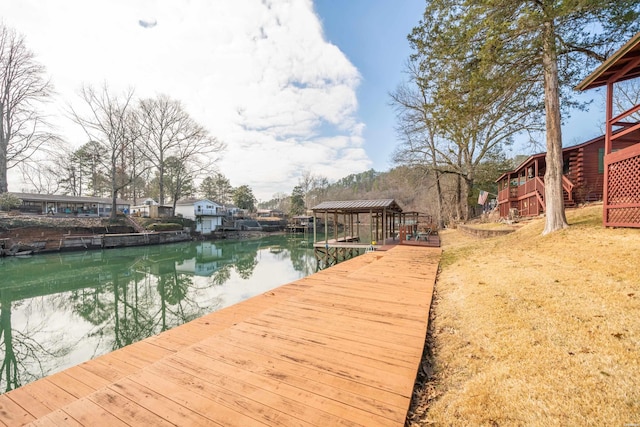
x,y
537,330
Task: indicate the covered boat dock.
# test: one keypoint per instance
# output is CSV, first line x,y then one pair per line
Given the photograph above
x,y
366,225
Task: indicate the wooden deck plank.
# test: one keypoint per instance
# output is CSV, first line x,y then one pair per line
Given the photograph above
x,y
340,347
88,378
362,295
395,322
158,404
232,398
356,304
349,323
320,331
296,374
129,411
373,350
41,397
252,359
308,406
109,367
356,352
88,413
266,407
207,325
303,392
31,404
12,414
56,418
69,384
338,363
196,394
379,289
143,354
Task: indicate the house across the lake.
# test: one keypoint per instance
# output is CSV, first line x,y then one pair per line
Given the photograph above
x,y
54,204
521,191
149,208
208,215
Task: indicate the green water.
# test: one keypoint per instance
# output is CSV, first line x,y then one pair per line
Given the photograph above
x,y
59,310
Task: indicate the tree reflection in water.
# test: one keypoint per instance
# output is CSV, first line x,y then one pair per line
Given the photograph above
x,y
59,310
25,358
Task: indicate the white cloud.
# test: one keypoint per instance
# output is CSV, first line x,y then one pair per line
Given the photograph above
x,y
258,74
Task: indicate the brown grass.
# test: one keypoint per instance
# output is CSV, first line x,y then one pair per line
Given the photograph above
x,y
538,330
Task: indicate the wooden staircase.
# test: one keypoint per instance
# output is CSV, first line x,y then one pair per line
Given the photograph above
x,y
135,225
568,203
567,192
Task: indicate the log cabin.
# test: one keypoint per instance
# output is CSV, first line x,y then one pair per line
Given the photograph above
x,y
521,191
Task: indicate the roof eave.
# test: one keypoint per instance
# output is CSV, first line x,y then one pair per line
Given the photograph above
x,y
588,82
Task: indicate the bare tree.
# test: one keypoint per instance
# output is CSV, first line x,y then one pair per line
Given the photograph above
x,y
133,163
22,87
628,95
108,123
45,176
454,129
169,131
313,187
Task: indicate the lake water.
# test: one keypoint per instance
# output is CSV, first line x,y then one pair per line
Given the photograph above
x,y
58,310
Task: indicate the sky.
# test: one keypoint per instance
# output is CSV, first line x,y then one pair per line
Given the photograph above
x,y
290,86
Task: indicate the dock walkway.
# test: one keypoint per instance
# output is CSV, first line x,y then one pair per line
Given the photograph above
x,y
339,347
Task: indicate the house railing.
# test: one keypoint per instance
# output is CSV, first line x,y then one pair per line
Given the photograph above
x,y
503,195
531,186
528,188
567,186
210,212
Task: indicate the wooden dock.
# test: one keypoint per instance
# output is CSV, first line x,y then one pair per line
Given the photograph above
x,y
340,347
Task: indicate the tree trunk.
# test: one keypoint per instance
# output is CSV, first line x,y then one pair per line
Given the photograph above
x,y
4,187
114,190
114,205
439,203
467,188
553,198
437,174
161,181
459,192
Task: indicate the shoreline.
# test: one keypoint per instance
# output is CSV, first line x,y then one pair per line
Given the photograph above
x,y
26,235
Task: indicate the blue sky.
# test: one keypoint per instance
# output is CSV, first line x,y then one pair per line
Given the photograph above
x,y
291,86
373,35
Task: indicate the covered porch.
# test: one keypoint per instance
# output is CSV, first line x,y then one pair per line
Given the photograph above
x,y
521,191
621,191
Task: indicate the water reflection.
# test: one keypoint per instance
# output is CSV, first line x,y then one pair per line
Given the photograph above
x,y
59,310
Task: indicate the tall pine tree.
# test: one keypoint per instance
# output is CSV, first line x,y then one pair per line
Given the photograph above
x,y
550,43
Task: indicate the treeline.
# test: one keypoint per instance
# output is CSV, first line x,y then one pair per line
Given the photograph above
x,y
148,147
413,187
134,146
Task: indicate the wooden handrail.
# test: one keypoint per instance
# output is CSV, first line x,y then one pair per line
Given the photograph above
x,y
624,114
567,185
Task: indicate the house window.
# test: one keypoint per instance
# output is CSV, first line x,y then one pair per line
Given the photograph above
x,y
601,159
